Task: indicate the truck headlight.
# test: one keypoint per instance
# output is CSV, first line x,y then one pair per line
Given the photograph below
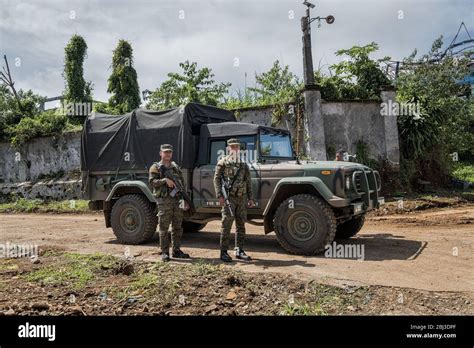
x,y
348,182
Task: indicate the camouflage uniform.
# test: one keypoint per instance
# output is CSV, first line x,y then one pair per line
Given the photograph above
x,y
169,209
241,191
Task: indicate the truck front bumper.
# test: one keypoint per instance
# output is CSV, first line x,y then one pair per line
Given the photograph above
x,y
361,207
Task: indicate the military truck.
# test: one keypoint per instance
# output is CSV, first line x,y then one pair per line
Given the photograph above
x,y
306,203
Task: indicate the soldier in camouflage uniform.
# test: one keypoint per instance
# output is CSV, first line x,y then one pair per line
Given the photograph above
x,y
237,173
170,208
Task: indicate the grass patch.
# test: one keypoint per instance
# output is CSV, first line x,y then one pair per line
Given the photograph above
x,y
320,299
22,205
75,271
464,172
201,268
159,283
8,265
302,309
140,284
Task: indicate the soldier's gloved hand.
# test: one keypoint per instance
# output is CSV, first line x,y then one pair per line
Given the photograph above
x,y
170,183
251,203
221,200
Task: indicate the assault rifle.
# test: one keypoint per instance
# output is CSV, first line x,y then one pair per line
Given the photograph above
x,y
179,188
225,188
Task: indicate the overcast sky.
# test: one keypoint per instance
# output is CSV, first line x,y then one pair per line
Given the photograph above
x,y
231,37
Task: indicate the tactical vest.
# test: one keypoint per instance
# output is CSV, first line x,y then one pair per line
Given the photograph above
x,y
239,188
163,191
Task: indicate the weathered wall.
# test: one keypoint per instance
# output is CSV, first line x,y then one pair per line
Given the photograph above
x,y
347,122
344,124
40,156
263,116
60,189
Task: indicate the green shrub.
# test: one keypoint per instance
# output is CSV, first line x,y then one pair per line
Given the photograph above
x,y
464,172
47,123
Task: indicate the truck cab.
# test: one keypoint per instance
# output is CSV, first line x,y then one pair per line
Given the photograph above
x,y
349,189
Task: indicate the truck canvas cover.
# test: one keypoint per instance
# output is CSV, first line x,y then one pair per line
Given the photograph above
x,y
132,141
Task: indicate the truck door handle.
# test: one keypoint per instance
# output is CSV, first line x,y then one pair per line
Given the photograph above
x,y
205,175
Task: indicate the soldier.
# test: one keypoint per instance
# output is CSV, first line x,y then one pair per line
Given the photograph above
x,y
169,207
237,174
339,155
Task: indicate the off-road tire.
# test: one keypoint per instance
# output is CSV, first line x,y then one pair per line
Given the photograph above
x,y
350,228
192,227
314,221
133,219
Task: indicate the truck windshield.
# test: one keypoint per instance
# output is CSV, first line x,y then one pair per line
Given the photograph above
x,y
275,145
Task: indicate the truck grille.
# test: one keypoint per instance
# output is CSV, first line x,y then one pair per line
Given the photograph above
x,y
367,184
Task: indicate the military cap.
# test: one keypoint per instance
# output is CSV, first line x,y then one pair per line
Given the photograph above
x,y
233,141
166,147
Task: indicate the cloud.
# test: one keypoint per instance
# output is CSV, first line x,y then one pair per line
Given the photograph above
x,y
217,34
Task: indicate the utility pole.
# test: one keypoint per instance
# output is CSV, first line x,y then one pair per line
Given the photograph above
x,y
313,121
307,54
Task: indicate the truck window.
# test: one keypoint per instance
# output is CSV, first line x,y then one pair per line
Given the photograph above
x,y
217,151
275,145
248,149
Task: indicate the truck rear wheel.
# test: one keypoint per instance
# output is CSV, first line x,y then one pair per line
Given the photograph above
x,y
133,219
350,228
304,224
192,227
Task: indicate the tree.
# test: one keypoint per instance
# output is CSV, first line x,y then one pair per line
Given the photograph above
x,y
359,77
278,84
277,87
123,83
193,85
11,113
447,116
77,89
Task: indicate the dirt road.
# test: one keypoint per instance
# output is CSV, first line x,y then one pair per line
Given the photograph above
x,y
431,250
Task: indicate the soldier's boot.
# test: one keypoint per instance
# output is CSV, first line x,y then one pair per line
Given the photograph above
x,y
165,256
240,254
179,254
225,257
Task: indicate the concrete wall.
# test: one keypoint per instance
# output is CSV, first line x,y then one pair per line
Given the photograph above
x,y
60,189
40,156
263,116
343,124
347,122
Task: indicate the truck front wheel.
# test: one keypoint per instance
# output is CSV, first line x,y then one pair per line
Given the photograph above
x,y
304,224
350,228
133,219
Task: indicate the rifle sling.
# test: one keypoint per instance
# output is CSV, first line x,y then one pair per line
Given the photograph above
x,y
233,180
